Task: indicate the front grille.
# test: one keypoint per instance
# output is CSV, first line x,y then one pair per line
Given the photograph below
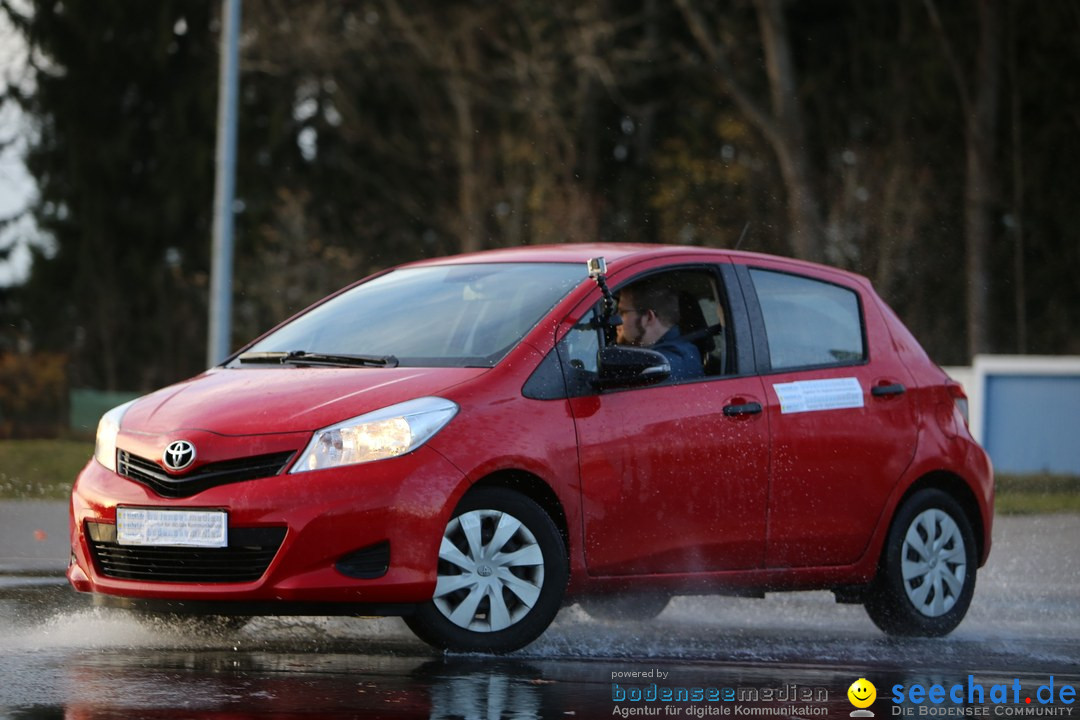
x,y
152,475
246,558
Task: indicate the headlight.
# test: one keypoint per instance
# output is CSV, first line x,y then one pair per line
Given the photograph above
x,y
107,429
378,435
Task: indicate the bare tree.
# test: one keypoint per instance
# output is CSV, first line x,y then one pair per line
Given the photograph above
x,y
979,94
468,118
450,42
782,123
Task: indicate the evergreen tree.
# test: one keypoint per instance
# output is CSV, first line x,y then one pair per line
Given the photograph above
x,y
124,110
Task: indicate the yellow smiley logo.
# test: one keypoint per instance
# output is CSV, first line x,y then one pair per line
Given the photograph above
x,y
862,693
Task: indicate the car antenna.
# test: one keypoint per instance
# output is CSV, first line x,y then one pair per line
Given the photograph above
x,y
742,235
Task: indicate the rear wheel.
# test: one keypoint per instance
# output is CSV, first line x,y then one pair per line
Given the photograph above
x,y
927,573
501,576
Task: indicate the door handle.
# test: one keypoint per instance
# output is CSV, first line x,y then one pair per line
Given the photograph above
x,y
888,390
750,408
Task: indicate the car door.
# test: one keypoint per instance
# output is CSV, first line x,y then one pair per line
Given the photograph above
x,y
673,476
843,425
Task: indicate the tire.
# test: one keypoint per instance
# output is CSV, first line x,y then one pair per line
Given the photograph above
x,y
501,576
926,576
625,608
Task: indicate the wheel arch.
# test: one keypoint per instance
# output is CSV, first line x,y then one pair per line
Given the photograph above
x,y
954,486
534,488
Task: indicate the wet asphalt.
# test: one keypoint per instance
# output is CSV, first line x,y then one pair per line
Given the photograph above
x,y
789,655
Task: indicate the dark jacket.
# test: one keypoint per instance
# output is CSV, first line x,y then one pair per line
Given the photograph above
x,y
683,356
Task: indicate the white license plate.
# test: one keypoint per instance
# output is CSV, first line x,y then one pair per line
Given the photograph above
x,y
186,528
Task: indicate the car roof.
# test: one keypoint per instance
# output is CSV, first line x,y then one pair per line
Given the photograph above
x,y
614,253
568,253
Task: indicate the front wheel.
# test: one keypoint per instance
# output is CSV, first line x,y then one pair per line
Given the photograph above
x,y
501,576
927,573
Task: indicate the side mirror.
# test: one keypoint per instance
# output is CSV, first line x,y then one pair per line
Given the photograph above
x,y
626,366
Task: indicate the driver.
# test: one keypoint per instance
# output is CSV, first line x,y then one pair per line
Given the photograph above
x,y
650,319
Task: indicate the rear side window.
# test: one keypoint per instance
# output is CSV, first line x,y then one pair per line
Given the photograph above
x,y
809,323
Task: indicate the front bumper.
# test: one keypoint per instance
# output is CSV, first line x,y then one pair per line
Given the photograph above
x,y
320,517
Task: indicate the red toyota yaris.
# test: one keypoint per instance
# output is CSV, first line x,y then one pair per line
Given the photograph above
x,y
474,441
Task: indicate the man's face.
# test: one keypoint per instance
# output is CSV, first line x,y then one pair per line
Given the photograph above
x,y
633,328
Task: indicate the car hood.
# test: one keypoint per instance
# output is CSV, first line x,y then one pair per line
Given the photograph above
x,y
261,401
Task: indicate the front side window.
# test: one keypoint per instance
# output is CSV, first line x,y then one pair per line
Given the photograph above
x,y
685,305
693,325
579,351
447,316
809,323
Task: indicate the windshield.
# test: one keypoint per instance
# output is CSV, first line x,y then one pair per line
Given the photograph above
x,y
450,316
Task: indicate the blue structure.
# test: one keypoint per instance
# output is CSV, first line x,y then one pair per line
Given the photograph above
x,y
1031,421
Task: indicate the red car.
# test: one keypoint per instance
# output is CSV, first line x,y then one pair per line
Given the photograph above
x,y
473,442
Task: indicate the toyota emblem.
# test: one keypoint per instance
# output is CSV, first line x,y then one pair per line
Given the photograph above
x,y
179,455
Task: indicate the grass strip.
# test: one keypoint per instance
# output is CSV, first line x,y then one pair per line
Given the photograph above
x,y
41,469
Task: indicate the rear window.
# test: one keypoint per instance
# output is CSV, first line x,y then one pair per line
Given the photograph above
x,y
450,316
809,323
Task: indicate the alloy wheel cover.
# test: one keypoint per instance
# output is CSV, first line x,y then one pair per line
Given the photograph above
x,y
491,571
933,562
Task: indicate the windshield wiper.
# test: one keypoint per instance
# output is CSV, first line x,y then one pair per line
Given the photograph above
x,y
302,357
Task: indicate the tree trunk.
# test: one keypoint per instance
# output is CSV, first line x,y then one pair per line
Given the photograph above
x,y
1017,225
980,140
782,125
469,233
789,140
981,178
